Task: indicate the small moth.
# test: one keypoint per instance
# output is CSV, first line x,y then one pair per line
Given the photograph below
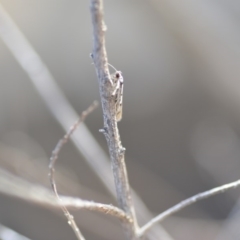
x,y
117,79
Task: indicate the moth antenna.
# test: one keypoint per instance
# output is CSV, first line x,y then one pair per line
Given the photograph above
x,y
112,67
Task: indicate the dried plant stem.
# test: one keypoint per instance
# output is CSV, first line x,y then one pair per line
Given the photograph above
x,y
37,194
185,203
53,160
47,88
110,130
97,207
67,136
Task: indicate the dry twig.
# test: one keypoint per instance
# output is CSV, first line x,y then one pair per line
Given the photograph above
x,y
110,130
53,160
37,194
185,203
51,94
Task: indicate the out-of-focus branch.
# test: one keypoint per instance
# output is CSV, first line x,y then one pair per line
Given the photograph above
x,y
187,202
65,115
110,130
53,97
230,227
7,234
211,36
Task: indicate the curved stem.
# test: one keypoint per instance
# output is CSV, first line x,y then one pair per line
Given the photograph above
x,y
185,203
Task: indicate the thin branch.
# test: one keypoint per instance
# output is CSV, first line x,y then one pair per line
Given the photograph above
x,y
53,160
67,136
37,194
46,86
98,207
51,94
187,202
110,130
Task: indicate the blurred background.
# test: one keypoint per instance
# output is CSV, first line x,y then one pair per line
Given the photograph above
x,y
181,113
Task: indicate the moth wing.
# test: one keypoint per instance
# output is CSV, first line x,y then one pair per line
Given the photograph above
x,y
120,97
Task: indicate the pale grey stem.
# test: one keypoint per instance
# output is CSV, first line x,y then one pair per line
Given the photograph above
x,y
53,97
110,130
53,160
185,203
7,233
37,194
156,233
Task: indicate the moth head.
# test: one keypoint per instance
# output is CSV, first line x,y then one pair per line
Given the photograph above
x,y
118,74
116,77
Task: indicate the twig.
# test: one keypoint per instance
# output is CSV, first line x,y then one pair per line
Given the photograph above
x,y
67,136
53,160
47,88
34,193
187,202
93,206
109,115
51,94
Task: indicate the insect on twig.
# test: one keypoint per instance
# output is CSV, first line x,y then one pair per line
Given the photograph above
x,y
117,79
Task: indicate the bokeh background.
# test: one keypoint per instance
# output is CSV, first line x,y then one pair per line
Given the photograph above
x,y
181,112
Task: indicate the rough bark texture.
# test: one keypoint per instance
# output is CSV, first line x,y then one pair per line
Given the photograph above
x,y
110,129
